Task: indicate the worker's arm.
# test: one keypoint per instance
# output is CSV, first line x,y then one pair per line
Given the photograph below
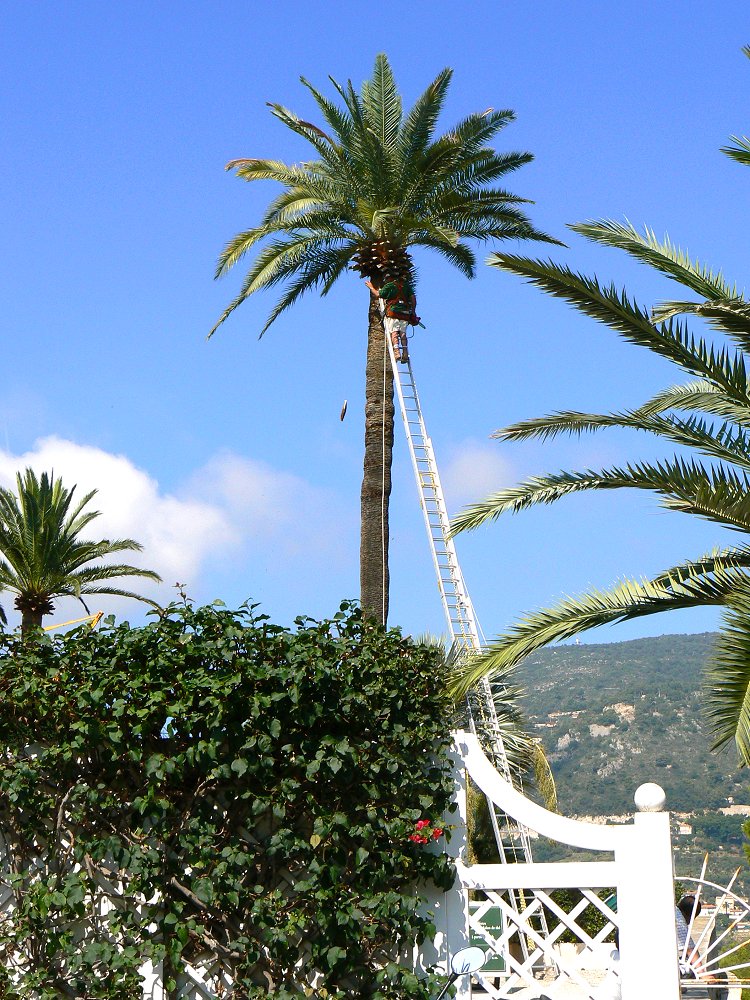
x,y
372,288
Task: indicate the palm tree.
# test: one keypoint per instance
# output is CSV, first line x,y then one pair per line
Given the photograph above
x,y
381,183
42,556
709,415
525,752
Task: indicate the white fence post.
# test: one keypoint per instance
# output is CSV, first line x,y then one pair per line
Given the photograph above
x,y
641,874
645,903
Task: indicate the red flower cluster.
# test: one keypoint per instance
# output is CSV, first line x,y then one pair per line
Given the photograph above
x,y
425,832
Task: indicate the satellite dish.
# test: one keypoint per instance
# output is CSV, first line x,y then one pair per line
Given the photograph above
x,y
468,960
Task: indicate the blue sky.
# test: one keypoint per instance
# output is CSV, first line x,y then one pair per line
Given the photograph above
x,y
227,458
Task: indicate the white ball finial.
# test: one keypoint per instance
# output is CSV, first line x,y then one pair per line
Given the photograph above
x,y
650,798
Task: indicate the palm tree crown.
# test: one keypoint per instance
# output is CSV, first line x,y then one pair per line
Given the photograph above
x,y
710,415
381,182
42,556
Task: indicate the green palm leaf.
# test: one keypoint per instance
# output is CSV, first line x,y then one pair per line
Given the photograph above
x,y
670,340
710,415
382,103
725,443
739,150
719,494
730,316
627,600
671,260
728,676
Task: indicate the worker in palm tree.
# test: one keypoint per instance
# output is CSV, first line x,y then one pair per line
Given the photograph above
x,y
399,303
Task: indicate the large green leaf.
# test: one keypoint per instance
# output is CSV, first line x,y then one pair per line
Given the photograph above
x,y
709,417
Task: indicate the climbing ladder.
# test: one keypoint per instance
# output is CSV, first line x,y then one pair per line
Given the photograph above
x,y
513,840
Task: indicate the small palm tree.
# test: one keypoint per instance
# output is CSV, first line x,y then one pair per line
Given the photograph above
x,y
42,556
380,184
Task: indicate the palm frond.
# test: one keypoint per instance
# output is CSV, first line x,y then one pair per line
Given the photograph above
x,y
381,102
419,125
725,443
686,396
276,263
739,150
475,200
476,130
458,254
664,256
700,395
253,169
237,247
728,677
320,140
321,270
608,305
108,571
466,174
719,564
289,204
627,600
544,779
117,592
717,494
340,121
730,316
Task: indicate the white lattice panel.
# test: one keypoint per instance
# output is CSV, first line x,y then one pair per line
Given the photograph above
x,y
532,957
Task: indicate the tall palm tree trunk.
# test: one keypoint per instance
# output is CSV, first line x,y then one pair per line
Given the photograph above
x,y
376,480
30,621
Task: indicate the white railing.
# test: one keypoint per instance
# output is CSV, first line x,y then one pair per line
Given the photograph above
x,y
637,874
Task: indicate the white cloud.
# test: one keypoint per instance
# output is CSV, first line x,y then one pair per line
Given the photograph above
x,y
473,471
230,507
268,506
175,533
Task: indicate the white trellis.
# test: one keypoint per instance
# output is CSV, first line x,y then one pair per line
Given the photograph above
x,y
639,869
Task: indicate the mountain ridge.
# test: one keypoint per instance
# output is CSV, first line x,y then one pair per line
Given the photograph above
x,y
614,715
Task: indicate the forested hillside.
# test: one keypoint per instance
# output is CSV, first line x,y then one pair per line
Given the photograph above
x,y
617,714
614,715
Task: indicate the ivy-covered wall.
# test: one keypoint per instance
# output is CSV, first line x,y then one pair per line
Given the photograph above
x,y
213,790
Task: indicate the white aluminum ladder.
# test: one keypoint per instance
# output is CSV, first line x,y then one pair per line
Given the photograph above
x,y
513,845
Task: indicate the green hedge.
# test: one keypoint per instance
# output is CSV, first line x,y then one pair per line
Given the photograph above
x,y
256,785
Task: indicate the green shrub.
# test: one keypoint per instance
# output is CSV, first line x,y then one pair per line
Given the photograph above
x,y
245,791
